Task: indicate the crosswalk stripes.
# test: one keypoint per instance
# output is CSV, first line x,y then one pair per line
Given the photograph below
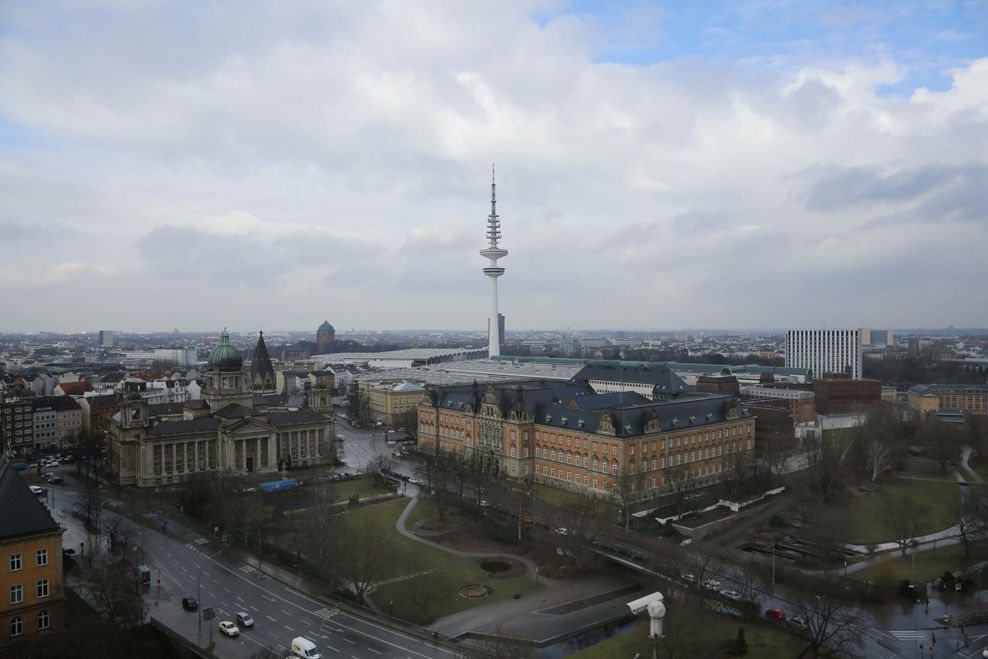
x,y
908,635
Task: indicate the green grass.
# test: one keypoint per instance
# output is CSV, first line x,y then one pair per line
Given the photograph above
x,y
926,468
862,522
557,497
408,556
422,510
365,487
765,641
420,600
928,564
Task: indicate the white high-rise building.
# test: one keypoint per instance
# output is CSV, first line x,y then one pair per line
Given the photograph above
x,y
493,271
825,351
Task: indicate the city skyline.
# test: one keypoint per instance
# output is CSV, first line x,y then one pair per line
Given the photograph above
x,y
769,165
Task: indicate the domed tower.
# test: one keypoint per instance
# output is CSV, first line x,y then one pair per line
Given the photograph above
x,y
261,370
325,336
225,382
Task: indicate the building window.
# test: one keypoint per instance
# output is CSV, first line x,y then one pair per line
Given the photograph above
x,y
42,588
16,626
157,458
16,594
44,621
42,557
15,562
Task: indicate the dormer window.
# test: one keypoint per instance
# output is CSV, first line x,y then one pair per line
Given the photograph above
x,y
692,418
675,421
563,421
548,418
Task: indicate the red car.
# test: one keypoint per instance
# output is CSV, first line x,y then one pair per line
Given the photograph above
x,y
775,614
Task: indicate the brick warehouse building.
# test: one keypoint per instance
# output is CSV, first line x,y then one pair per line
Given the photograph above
x,y
565,435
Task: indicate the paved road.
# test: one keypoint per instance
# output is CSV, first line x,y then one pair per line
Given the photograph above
x,y
184,564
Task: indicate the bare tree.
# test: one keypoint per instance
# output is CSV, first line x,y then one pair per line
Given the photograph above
x,y
679,483
904,518
878,458
941,440
630,486
364,548
824,461
112,585
830,628
680,639
969,517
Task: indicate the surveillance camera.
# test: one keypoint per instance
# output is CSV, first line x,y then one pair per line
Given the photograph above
x,y
640,605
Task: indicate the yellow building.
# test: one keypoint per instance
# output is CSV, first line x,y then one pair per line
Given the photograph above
x,y
387,400
925,398
31,593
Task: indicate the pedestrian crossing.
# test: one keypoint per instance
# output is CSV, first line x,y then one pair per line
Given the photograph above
x,y
908,635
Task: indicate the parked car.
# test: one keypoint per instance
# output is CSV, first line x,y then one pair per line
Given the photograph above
x,y
731,594
690,578
799,621
230,629
190,604
36,490
244,619
560,531
775,614
711,584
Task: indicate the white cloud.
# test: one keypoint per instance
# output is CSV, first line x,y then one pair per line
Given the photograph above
x,y
334,161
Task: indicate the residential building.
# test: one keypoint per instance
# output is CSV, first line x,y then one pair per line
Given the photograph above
x,y
68,419
43,422
569,436
31,578
105,339
16,426
932,398
96,411
825,351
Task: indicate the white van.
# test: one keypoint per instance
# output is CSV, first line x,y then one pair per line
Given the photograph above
x,y
303,647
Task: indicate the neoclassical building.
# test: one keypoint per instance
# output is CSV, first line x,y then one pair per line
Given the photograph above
x,y
230,428
567,435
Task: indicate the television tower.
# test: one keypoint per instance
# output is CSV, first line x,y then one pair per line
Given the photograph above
x,y
493,252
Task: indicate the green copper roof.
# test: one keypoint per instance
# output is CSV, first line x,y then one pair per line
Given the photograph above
x,y
224,355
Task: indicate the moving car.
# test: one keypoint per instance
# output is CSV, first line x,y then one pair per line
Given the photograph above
x,y
229,628
37,490
244,619
303,647
190,604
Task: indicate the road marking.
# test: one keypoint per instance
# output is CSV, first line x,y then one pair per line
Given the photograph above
x,y
357,620
374,651
350,641
336,650
289,628
227,590
908,635
287,613
270,618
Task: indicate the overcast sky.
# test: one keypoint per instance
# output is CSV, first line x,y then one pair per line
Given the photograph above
x,y
659,165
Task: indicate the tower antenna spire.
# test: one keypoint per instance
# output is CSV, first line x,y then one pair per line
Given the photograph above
x,y
493,252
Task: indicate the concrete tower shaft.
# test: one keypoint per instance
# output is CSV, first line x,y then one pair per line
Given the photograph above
x,y
493,252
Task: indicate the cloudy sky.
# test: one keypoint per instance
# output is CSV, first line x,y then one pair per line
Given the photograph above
x,y
659,165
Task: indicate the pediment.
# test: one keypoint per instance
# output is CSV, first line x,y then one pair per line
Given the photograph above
x,y
248,426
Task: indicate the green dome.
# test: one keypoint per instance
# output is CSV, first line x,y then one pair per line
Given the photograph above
x,y
225,356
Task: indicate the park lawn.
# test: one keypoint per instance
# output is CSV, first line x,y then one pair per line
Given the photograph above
x,y
928,564
407,556
862,522
765,641
437,593
926,468
365,487
557,497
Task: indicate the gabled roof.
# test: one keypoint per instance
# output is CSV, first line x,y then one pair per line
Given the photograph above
x,y
231,411
23,514
75,388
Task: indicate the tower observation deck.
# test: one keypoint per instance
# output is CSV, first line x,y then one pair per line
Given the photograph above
x,y
493,252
